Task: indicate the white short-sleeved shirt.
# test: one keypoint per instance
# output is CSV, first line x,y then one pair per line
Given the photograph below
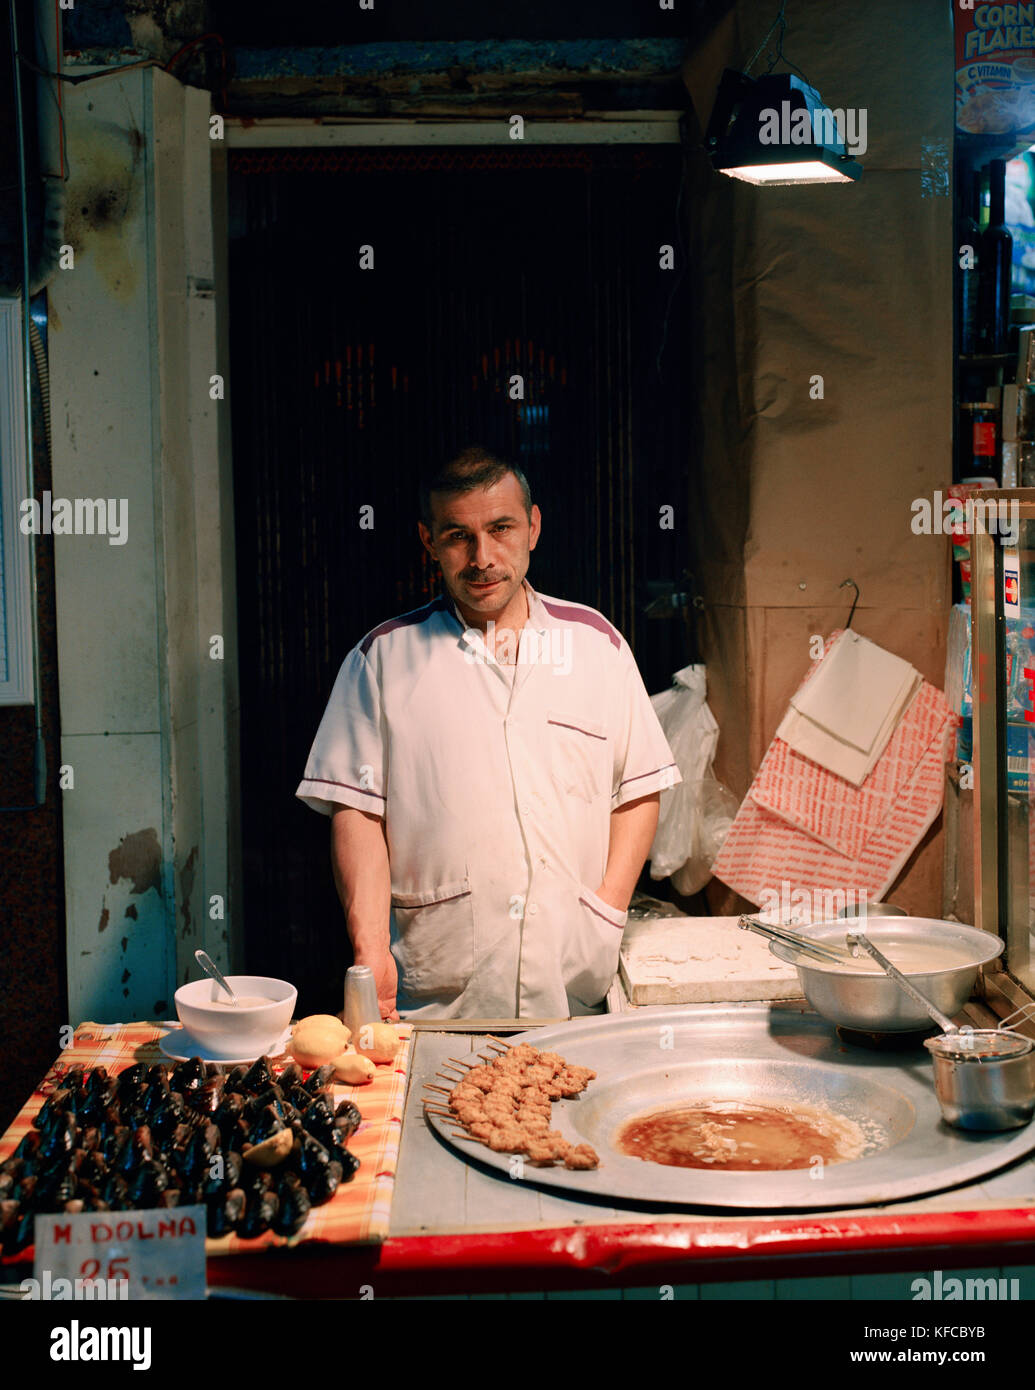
x,y
496,790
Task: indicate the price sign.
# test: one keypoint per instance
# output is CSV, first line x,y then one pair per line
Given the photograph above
x,y
120,1254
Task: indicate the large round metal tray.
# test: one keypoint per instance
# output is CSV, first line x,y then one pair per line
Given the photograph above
x,y
660,1057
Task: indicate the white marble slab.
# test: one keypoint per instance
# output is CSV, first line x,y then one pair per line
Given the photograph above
x,y
701,960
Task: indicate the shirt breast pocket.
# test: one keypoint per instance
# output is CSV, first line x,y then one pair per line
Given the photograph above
x,y
581,755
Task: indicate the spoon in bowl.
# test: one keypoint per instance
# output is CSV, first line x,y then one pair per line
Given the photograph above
x,y
211,968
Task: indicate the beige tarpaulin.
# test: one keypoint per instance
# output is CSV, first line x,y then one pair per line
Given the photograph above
x,y
824,371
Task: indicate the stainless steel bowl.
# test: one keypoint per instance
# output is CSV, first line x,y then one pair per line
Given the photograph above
x,y
873,1003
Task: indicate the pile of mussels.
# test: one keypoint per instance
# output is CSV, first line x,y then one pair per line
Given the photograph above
x,y
166,1137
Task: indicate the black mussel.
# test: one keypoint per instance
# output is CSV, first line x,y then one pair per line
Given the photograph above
x,y
133,1109
223,1216
267,1122
338,1149
143,1143
124,1157
260,1212
294,1206
90,1139
291,1075
347,1118
168,1115
298,1096
131,1077
171,1197
57,1103
323,1183
146,1185
180,1137
206,1097
98,1079
318,1117
29,1146
188,1076
318,1079
96,1204
310,1156
202,1145
59,1138
9,1213
25,1192
12,1166
213,1069
115,1192
95,1168
75,1206
231,1108
235,1079
75,1077
7,1186
115,1140
258,1076
55,1190
158,1075
155,1097
269,1095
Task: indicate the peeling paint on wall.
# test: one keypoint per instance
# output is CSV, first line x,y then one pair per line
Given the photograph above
x,y
187,888
138,858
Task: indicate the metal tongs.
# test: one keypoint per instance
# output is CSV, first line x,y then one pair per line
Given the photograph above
x,y
804,945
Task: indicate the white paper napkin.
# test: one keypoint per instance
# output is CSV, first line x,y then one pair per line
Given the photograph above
x,y
844,716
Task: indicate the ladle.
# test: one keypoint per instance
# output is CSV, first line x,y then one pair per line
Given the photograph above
x,y
211,968
856,939
803,944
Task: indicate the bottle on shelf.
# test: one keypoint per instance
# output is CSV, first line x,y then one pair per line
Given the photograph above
x,y
968,242
979,460
995,267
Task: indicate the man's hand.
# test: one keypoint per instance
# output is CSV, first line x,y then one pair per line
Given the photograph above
x,y
618,900
386,977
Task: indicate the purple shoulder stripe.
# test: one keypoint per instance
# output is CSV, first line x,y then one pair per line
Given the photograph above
x,y
417,615
584,615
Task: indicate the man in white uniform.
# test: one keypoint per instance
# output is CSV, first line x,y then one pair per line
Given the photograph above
x,y
493,767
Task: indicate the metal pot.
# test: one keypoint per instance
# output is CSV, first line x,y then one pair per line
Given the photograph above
x,y
984,1080
873,1003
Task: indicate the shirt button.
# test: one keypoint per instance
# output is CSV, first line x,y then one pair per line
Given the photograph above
x,y
533,908
525,808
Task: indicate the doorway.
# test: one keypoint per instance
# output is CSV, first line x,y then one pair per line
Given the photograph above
x,y
388,307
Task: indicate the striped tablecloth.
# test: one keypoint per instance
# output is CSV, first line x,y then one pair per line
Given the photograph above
x,y
357,1213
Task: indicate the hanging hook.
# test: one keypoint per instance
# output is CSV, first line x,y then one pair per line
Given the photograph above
x,y
845,584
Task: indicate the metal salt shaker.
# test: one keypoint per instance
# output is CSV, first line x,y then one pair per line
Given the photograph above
x,y
360,999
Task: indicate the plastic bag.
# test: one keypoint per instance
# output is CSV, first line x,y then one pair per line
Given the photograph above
x,y
697,814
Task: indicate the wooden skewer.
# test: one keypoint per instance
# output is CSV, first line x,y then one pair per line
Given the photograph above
x,y
446,1078
469,1065
430,1085
505,1045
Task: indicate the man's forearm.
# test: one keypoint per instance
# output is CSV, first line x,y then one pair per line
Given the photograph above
x,y
632,832
359,856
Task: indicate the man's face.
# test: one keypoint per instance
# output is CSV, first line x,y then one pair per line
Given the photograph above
x,y
482,540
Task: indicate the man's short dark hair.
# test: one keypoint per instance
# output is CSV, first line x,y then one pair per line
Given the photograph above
x,y
472,468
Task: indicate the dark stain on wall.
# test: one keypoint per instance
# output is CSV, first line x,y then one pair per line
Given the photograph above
x,y
138,858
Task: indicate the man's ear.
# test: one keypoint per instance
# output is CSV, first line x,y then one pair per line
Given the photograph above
x,y
425,536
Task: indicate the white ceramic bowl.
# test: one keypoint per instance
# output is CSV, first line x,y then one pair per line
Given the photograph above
x,y
240,1032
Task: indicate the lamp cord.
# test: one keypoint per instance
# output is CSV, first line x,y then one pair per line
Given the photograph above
x,y
777,55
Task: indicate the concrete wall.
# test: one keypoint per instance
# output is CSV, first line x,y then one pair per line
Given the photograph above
x,y
145,711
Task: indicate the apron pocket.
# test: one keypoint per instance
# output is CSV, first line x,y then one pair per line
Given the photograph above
x,y
589,958
580,756
435,947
